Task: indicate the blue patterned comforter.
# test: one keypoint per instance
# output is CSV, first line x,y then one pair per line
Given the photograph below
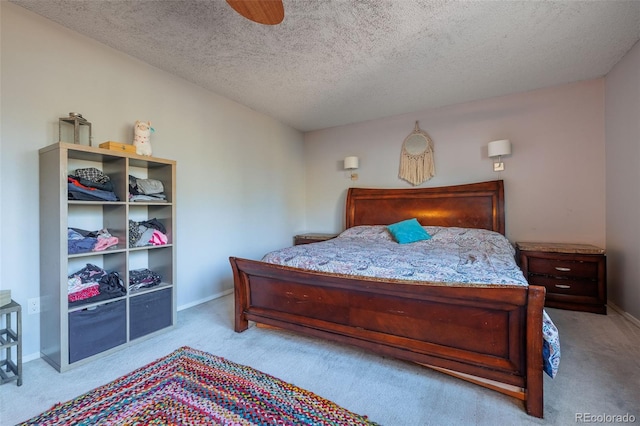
x,y
452,256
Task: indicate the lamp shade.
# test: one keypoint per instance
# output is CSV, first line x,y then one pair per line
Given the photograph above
x,y
350,163
498,148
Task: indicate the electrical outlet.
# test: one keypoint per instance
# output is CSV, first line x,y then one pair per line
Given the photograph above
x,y
33,306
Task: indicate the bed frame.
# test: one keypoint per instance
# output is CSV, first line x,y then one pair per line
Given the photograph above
x,y
489,335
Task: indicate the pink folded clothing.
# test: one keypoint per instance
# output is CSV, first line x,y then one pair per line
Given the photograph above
x,y
158,238
84,292
105,242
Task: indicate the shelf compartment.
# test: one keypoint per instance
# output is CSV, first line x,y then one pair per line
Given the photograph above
x,y
112,166
93,217
160,211
110,262
150,311
164,172
96,329
156,259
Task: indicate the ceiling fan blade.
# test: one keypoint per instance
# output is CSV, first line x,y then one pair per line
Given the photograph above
x,y
268,12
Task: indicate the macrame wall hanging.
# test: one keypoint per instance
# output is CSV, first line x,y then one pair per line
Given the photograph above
x,y
416,158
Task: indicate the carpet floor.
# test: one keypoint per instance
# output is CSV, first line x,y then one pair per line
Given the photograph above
x,y
598,375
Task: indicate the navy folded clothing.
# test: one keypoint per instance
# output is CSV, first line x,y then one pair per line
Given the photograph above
x,y
143,278
78,191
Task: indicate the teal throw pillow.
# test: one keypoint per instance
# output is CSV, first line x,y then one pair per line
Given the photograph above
x,y
408,231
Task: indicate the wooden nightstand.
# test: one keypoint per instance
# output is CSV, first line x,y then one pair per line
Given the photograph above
x,y
575,275
312,238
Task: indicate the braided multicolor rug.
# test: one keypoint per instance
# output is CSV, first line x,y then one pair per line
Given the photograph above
x,y
191,387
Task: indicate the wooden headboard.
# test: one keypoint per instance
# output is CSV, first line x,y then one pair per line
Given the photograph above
x,y
475,205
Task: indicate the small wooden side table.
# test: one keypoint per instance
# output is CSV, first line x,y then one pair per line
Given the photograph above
x,y
312,238
575,275
10,337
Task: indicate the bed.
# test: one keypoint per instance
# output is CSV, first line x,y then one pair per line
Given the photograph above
x,y
490,334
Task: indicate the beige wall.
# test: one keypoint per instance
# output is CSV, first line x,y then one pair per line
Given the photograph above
x,y
554,179
623,182
237,169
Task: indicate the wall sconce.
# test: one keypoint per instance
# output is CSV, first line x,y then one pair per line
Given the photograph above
x,y
498,149
351,164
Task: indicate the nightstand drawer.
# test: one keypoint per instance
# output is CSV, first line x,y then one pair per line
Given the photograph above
x,y
553,285
563,267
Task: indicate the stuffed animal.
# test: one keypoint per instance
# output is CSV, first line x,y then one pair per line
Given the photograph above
x,y
141,135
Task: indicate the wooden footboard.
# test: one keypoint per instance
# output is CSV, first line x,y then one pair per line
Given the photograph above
x,y
484,334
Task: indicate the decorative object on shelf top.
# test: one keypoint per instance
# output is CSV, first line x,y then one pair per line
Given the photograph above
x,y
5,297
81,129
117,146
351,164
141,137
498,149
416,158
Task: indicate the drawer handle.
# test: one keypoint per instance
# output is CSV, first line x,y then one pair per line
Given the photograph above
x,y
563,286
560,268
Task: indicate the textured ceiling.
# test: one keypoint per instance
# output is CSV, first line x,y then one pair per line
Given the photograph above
x,y
334,62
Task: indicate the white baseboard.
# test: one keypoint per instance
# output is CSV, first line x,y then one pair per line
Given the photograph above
x,y
205,300
30,357
635,321
36,355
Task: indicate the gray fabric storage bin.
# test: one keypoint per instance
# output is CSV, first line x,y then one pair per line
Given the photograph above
x,y
150,312
94,330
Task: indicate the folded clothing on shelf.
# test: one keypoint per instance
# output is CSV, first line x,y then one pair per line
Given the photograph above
x,y
146,190
93,284
90,184
82,241
147,233
143,278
